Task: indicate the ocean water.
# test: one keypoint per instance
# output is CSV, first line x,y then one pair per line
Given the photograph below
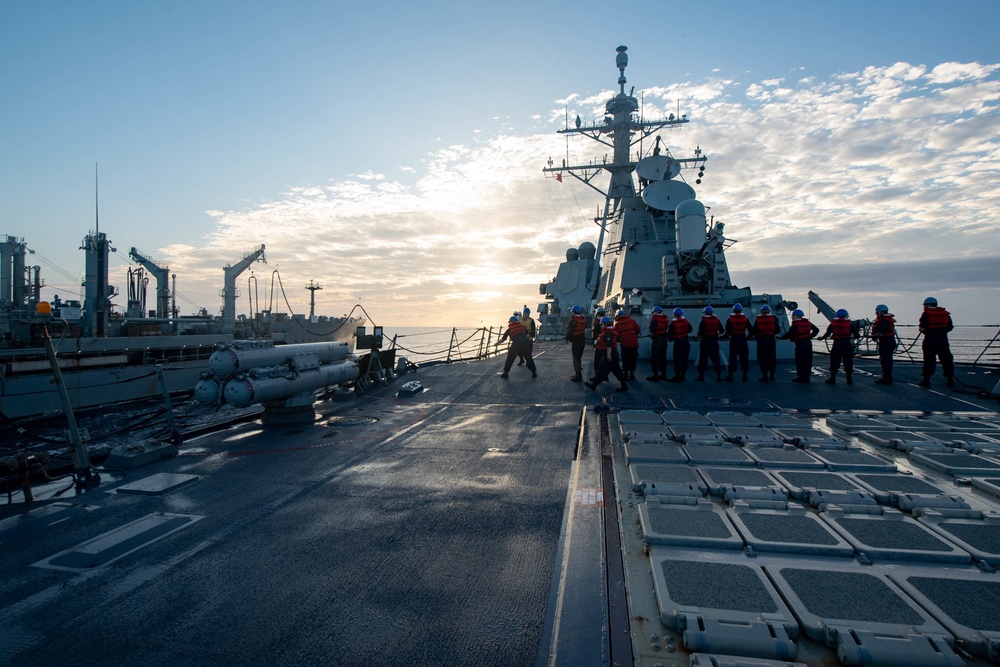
x,y
422,344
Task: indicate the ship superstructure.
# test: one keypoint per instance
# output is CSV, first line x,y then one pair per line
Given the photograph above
x,y
657,244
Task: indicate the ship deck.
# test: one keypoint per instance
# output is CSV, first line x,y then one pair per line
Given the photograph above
x,y
501,522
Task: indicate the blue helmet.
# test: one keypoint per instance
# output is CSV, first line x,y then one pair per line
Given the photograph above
x,y
930,301
601,311
577,310
513,318
798,313
765,308
606,320
527,311
708,310
678,312
841,313
881,308
621,313
657,309
737,307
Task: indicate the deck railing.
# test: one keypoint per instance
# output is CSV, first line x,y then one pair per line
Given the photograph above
x,y
971,344
463,345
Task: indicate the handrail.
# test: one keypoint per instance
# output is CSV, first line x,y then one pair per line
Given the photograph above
x,y
485,347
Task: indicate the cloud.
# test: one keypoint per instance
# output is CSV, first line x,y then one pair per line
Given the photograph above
x,y
864,182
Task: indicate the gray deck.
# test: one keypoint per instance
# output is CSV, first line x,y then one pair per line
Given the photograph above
x,y
462,525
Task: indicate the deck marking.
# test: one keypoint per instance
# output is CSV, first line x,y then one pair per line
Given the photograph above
x,y
588,497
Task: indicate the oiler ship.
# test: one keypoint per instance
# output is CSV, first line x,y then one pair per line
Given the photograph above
x,y
452,517
108,356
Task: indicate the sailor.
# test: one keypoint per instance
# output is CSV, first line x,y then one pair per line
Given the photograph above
x,y
677,332
658,323
884,335
841,330
628,332
595,332
607,350
529,329
765,328
576,334
518,346
709,330
737,332
801,333
935,323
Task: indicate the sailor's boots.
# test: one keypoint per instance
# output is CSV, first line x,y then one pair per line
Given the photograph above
x,y
676,378
951,381
729,378
886,379
832,379
763,378
849,379
655,377
577,370
926,382
624,387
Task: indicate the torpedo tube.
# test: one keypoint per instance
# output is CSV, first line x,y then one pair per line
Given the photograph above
x,y
231,360
263,385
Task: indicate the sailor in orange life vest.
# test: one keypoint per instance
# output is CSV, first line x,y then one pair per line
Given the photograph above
x,y
801,333
607,349
658,323
737,332
576,335
709,330
884,335
842,330
935,323
518,346
677,332
765,328
628,331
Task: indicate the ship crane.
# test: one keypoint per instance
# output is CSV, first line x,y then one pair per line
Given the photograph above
x,y
229,292
162,276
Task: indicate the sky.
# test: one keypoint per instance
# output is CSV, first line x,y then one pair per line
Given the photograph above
x,y
393,152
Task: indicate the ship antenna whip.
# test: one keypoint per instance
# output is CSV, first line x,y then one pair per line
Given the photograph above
x,y
97,207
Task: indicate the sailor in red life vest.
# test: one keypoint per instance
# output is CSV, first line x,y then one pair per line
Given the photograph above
x,y
607,349
884,335
518,346
801,333
842,330
658,323
737,332
576,334
628,332
765,328
935,323
678,332
709,330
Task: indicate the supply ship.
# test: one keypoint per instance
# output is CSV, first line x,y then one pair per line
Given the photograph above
x,y
453,517
107,356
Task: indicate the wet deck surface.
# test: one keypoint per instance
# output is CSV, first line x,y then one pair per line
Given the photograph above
x,y
457,526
